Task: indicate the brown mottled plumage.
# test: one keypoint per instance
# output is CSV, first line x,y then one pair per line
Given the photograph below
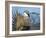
x,y
21,21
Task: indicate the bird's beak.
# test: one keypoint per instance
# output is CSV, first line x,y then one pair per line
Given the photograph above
x,y
25,14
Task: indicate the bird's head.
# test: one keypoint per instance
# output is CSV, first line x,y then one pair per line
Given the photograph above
x,y
26,13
